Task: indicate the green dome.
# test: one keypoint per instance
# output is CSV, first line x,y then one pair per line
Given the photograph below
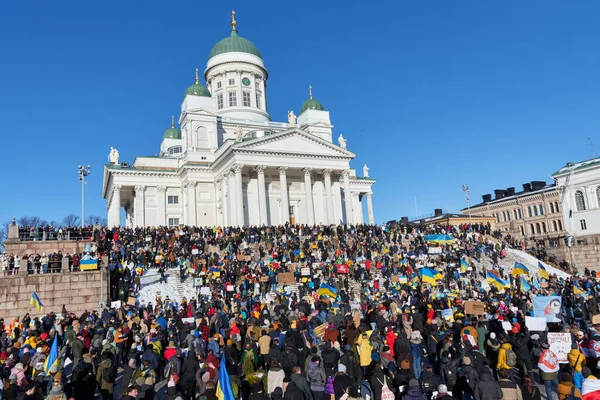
x,y
172,132
234,43
197,89
312,104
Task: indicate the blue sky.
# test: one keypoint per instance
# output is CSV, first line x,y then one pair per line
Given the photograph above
x,y
430,94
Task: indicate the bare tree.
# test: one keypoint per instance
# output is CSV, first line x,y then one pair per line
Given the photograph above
x,y
95,220
71,220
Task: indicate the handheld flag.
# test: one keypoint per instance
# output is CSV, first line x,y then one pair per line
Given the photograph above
x,y
429,275
326,290
576,288
36,302
519,269
464,265
525,286
495,280
440,239
224,389
542,271
535,283
52,356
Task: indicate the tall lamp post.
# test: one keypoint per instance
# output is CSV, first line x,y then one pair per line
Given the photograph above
x,y
83,172
465,189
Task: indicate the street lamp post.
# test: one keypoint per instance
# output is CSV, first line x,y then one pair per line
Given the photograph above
x,y
465,189
83,172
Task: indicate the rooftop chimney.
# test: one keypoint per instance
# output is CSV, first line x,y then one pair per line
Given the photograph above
x,y
527,187
510,191
437,212
499,193
404,220
486,198
537,185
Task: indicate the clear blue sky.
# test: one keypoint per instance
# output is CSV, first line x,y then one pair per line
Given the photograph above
x,y
430,94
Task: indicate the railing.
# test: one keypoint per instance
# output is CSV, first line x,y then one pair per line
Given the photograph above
x,y
54,266
50,235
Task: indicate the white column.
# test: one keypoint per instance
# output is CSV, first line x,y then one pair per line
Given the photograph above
x,y
224,201
262,196
285,203
114,210
347,196
239,194
238,84
232,198
328,197
161,211
337,202
191,204
139,206
370,208
310,210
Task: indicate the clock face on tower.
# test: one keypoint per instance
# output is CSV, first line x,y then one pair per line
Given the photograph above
x,y
246,82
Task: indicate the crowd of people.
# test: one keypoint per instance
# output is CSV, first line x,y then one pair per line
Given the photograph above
x,y
359,321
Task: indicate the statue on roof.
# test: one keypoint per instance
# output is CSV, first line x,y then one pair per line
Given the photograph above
x,y
342,141
113,156
239,133
291,118
365,171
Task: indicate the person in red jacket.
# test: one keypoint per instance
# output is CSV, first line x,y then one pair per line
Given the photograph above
x,y
170,350
390,339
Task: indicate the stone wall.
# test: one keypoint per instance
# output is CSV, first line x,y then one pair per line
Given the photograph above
x,y
584,253
78,291
38,247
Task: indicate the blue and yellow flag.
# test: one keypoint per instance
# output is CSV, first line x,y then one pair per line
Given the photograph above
x,y
429,275
535,283
464,265
542,271
52,356
86,265
326,290
224,388
519,269
415,280
577,288
441,239
36,302
495,280
525,286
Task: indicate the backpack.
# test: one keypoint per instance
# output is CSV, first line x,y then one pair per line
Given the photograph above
x,y
450,376
365,390
109,374
511,358
168,369
329,385
572,395
386,393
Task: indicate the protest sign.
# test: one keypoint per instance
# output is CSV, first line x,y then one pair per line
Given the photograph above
x,y
115,304
198,282
434,250
131,301
286,278
474,308
447,313
548,307
403,279
395,278
305,271
535,323
189,320
507,326
596,319
194,251
342,268
204,290
320,330
229,287
560,344
264,279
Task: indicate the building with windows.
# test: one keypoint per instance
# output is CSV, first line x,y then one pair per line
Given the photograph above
x,y
228,163
533,213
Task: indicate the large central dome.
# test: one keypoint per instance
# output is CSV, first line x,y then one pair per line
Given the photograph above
x,y
234,43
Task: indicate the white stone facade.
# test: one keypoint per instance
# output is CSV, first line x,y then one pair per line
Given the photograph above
x,y
580,192
233,166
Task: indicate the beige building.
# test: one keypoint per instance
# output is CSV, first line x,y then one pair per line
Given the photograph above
x,y
533,213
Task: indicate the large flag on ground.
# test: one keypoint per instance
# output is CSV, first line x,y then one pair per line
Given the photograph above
x,y
224,389
326,290
52,356
548,307
36,302
496,281
441,239
542,271
519,269
429,275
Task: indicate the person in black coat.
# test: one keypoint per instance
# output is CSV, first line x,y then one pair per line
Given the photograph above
x,y
292,392
341,382
188,375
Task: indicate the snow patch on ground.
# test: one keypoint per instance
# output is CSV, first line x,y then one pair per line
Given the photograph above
x,y
173,288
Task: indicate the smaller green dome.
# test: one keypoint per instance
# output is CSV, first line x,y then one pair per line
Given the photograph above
x,y
311,104
197,89
172,132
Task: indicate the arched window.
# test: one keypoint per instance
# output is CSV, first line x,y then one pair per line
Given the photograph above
x,y
522,230
579,201
516,215
508,215
202,138
520,215
497,217
529,211
559,225
544,227
531,229
504,216
556,206
541,209
537,228
551,208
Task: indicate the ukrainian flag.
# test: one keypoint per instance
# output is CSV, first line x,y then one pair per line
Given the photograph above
x,y
464,265
224,389
216,272
495,280
431,276
525,286
535,283
441,239
36,302
52,356
415,280
519,269
85,265
542,271
576,288
326,290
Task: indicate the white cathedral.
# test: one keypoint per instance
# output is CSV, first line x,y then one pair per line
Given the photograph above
x,y
231,165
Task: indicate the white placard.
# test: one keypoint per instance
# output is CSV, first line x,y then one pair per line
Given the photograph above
x,y
560,344
115,304
305,271
434,250
204,290
506,325
536,324
194,251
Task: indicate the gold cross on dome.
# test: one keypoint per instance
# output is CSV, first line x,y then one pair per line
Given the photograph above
x,y
310,91
197,75
233,22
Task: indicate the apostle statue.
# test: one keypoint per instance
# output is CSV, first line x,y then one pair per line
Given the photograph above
x,y
291,118
342,141
239,134
365,171
113,156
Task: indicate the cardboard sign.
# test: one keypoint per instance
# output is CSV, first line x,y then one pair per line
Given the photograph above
x,y
286,278
560,344
247,258
240,257
474,307
194,251
395,278
320,330
131,301
229,288
536,324
305,271
596,319
403,279
264,279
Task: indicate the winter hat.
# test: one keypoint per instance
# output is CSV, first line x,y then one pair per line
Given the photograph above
x,y
171,384
229,342
341,368
39,350
566,377
287,379
19,366
413,383
586,372
443,388
104,342
196,334
175,377
375,357
171,344
466,361
353,392
492,335
205,377
53,369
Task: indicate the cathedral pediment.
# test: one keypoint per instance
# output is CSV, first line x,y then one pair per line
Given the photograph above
x,y
293,142
199,112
